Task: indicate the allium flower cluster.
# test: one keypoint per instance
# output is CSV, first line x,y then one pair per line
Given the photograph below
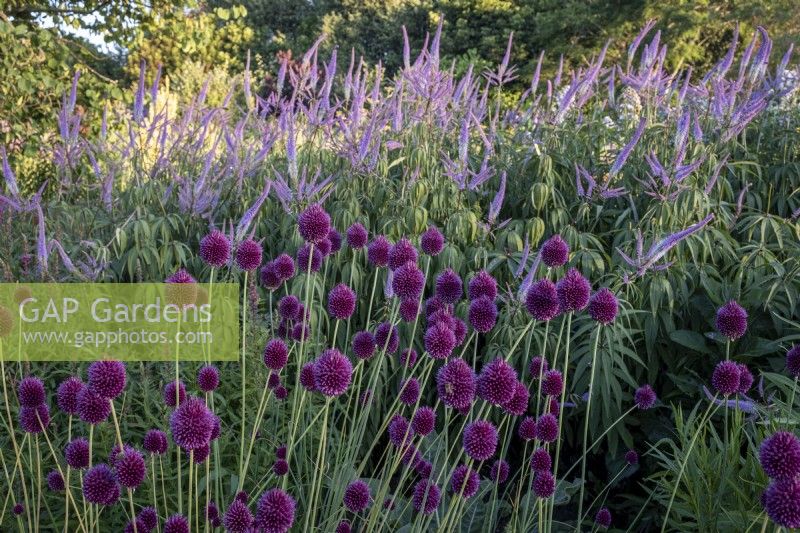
x,y
67,395
555,251
378,251
314,224
332,373
357,236
482,314
603,306
248,255
541,300
192,424
732,320
341,302
726,377
357,496
401,253
480,440
432,241
275,511
364,344
215,249
464,481
573,291
482,284
779,455
456,384
426,497
499,471
497,381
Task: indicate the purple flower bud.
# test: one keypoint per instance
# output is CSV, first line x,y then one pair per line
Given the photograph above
x,y
171,396
270,278
76,453
782,502
67,395
464,481
439,341
499,472
307,379
357,496
363,345
552,383
544,485
238,518
93,408
482,314
335,238
541,460
518,403
289,307
284,267
409,391
631,457
275,511
603,518
306,258
386,336
793,361
527,428
409,310
423,421
191,424
496,382
30,392
779,455
155,441
408,357
645,397
208,378
100,485
456,383
547,428
276,354
408,281
426,497
55,481
537,367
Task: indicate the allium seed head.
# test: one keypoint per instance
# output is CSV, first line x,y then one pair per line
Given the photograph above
x,y
732,320
480,440
215,249
107,378
314,224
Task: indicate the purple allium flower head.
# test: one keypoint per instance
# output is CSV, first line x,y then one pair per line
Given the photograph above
x,y
424,469
149,518
241,496
432,241
274,380
335,238
409,391
176,524
518,403
793,361
304,255
432,306
314,224
131,468
248,255
645,397
538,366
307,377
497,381
100,485
440,341
357,236
555,251
603,306
387,336
275,511
547,428
378,251
544,484
30,392
480,440
215,249
155,441
780,455
408,357
482,314
408,281
208,378
356,496
332,373
212,511
426,497
281,392
280,452
276,354
573,291
93,408
67,395
363,344
170,395
782,502
552,383
76,453
725,378
107,378
398,429
553,406
527,428
482,284
300,332
289,307
18,509
603,518
191,424
499,471
732,320
284,267
409,310
238,518
269,276
136,526
464,481
55,481
341,302
456,384
443,317
541,300
324,246
449,287
344,527
280,467
631,457
401,253
423,421
745,378
541,460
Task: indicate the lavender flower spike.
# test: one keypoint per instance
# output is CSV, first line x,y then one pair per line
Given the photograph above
x,y
250,214
626,151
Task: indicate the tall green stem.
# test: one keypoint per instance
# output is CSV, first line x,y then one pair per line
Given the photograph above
x,y
586,428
